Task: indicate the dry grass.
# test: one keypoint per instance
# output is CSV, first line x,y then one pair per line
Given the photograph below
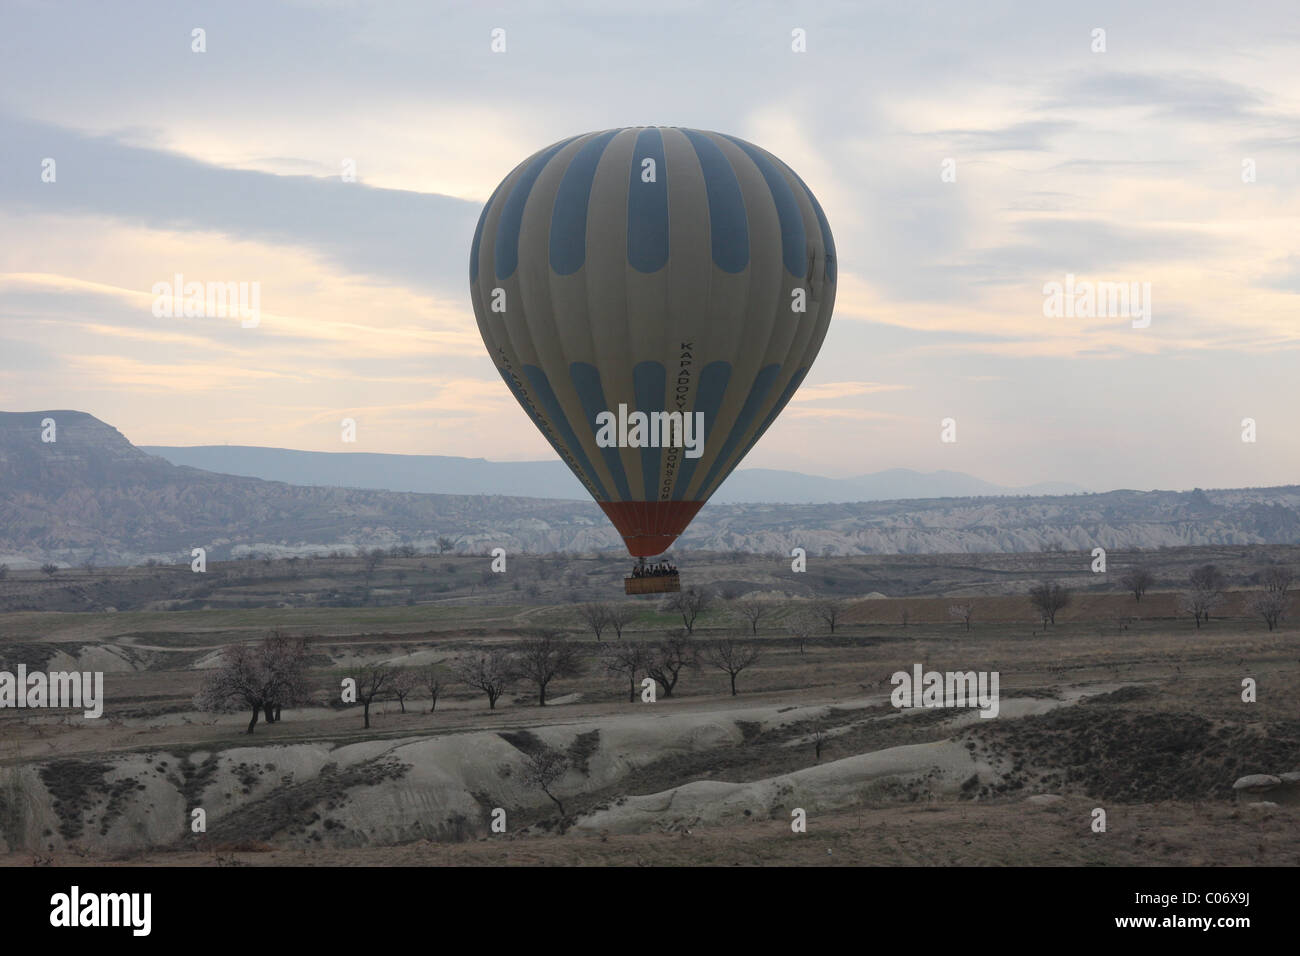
x,y
1161,759
999,834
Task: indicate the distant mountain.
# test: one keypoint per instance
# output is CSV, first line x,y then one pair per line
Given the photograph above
x,y
767,485
426,474
438,474
92,495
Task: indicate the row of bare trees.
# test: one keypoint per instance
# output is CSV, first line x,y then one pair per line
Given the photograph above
x,y
1202,595
265,677
262,679
666,660
541,659
378,682
597,617
1205,594
548,656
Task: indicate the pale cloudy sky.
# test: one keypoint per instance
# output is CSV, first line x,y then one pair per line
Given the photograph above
x,y
1124,165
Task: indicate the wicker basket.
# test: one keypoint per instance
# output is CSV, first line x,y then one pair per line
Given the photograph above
x,y
654,584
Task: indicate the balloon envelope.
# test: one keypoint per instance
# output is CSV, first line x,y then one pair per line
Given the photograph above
x,y
652,270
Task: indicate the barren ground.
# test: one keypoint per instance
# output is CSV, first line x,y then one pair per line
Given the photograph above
x,y
1120,705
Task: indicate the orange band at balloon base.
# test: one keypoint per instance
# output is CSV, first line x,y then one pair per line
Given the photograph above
x,y
650,527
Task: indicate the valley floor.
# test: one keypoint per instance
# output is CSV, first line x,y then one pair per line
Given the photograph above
x,y
1006,833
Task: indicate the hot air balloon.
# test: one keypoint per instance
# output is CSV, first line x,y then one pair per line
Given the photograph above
x,y
622,276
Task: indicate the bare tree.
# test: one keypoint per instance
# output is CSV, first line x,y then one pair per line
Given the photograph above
x,y
1270,605
1207,576
690,604
239,682
800,625
488,671
1277,577
260,678
1048,597
435,679
829,610
819,738
1210,580
1199,601
595,615
445,544
371,560
545,657
753,610
1138,580
543,767
373,681
962,612
405,681
626,659
731,656
49,569
1204,594
667,661
621,615
285,660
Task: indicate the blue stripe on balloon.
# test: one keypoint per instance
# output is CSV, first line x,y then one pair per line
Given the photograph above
x,y
551,405
568,248
728,224
828,241
586,381
647,206
547,432
794,244
763,383
708,399
795,381
512,214
478,233
650,383
522,396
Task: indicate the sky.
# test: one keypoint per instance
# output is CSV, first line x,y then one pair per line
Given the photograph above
x,y
966,155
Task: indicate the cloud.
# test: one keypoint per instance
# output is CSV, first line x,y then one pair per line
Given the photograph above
x,y
834,390
1081,245
418,239
1122,166
1286,278
1175,95
1030,135
851,414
